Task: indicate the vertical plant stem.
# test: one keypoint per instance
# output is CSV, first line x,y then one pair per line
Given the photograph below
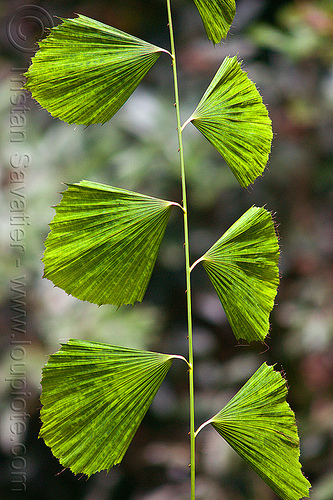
x,y
187,254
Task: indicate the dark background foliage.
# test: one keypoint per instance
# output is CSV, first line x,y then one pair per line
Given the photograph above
x,y
287,47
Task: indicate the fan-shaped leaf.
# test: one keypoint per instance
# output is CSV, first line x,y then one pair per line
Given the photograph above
x,y
232,116
217,16
94,399
104,242
85,70
243,267
259,424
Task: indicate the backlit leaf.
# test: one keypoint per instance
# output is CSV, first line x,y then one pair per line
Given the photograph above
x,y
243,267
94,398
232,116
85,70
260,426
104,243
217,16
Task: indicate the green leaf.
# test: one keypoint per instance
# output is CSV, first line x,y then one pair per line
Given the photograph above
x,y
232,116
217,16
243,267
85,70
260,426
104,243
94,399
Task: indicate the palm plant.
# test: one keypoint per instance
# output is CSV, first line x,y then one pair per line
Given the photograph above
x,y
95,395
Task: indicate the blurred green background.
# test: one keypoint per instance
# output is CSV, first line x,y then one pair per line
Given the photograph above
x,y
287,48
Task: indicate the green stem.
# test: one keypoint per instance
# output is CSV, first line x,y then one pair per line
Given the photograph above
x,y
187,254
